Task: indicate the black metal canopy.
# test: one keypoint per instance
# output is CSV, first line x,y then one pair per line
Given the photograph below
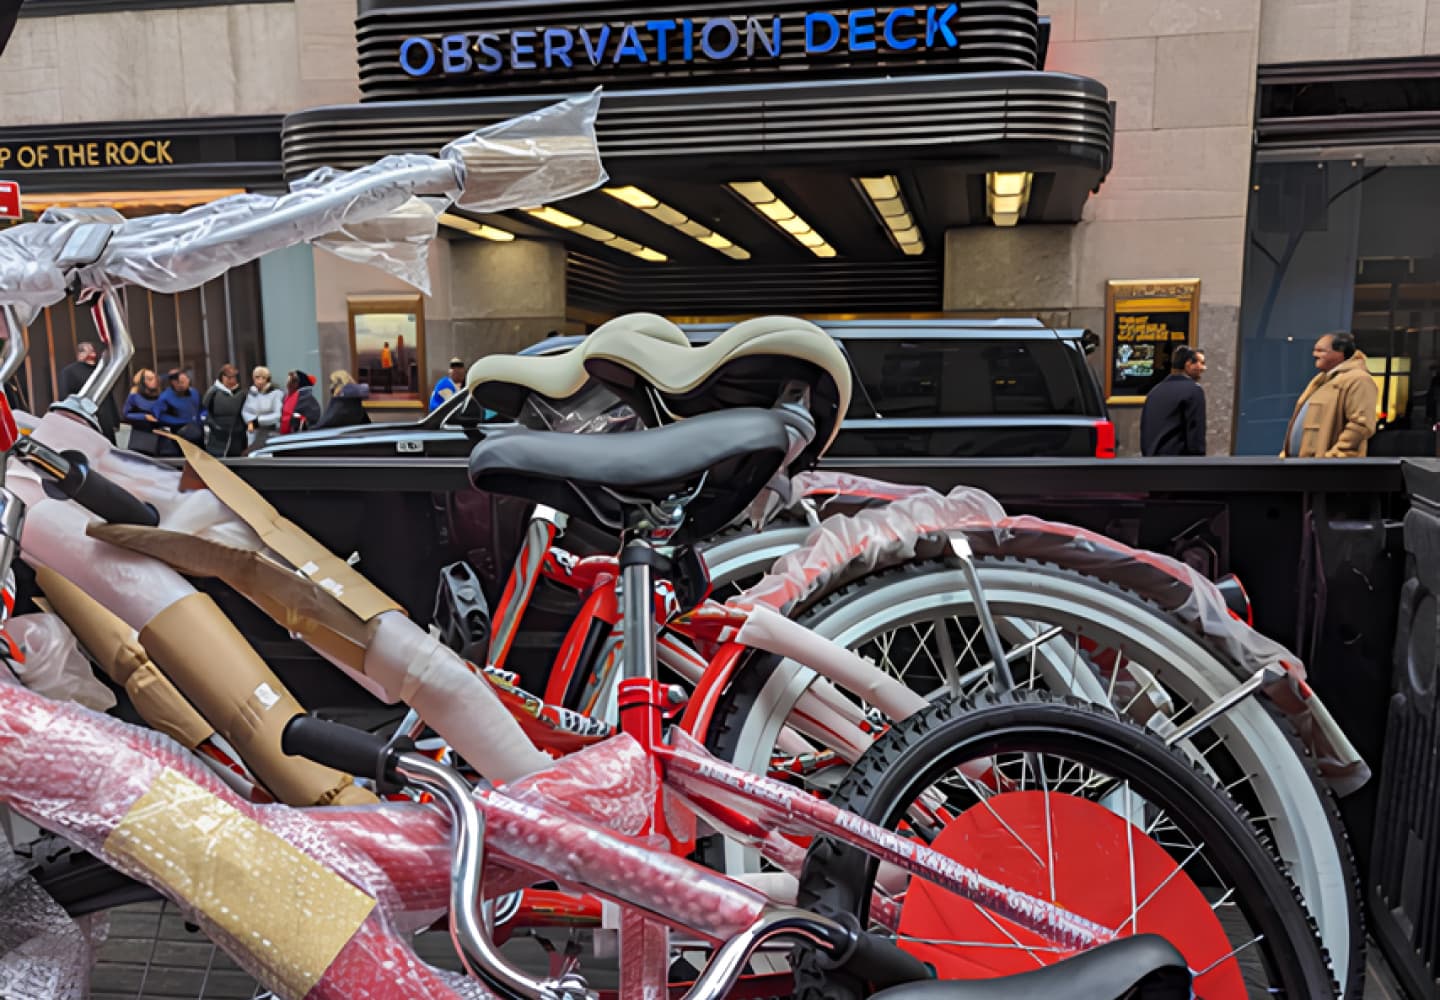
x,y
955,91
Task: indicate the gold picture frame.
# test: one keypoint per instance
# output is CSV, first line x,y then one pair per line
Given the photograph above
x,y
1144,322
387,349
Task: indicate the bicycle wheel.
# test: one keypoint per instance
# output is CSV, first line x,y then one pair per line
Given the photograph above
x,y
1075,805
906,618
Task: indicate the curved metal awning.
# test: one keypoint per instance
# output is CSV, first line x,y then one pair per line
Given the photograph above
x,y
810,144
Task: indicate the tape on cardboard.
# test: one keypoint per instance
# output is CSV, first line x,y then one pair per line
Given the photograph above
x,y
291,913
300,606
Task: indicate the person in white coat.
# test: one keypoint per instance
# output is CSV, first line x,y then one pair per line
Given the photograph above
x,y
261,411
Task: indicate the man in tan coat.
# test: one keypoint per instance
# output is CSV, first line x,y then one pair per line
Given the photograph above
x,y
1335,415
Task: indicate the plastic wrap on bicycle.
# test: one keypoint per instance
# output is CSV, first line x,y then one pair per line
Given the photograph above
x,y
902,523
44,953
537,827
535,159
312,909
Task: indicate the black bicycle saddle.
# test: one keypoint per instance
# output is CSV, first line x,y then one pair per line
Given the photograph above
x,y
1143,967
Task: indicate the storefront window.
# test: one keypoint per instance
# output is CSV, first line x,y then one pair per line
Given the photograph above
x,y
1339,245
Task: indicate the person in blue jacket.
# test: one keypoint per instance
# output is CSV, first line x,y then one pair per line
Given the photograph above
x,y
449,385
180,411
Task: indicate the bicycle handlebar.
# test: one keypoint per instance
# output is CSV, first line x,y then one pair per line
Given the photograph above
x,y
73,475
345,748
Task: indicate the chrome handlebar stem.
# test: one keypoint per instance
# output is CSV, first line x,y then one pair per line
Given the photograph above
x,y
470,929
13,355
467,926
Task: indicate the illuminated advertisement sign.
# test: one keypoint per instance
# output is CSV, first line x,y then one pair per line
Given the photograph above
x,y
681,40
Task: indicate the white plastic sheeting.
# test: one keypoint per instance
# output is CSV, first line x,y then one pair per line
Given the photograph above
x,y
545,156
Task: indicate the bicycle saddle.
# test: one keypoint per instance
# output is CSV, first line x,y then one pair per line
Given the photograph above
x,y
1143,967
648,362
713,466
502,382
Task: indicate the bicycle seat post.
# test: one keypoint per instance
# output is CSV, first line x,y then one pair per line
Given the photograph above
x,y
644,942
642,698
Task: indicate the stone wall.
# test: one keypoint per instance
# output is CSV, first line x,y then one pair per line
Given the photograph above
x,y
1306,30
137,65
1182,74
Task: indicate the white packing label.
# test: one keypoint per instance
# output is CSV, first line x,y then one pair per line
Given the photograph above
x,y
266,695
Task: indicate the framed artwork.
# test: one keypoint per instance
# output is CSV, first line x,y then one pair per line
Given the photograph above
x,y
1144,322
387,348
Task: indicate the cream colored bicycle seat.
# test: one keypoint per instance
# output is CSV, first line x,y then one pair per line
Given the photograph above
x,y
748,365
503,382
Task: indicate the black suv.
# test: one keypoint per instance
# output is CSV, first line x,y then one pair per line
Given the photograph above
x,y
922,389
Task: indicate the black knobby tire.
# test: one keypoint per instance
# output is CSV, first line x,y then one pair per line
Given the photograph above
x,y
837,878
76,879
749,683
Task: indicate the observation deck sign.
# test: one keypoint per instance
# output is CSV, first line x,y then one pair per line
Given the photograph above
x,y
682,40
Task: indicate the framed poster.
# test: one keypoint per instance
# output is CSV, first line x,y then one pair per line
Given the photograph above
x,y
1144,322
387,348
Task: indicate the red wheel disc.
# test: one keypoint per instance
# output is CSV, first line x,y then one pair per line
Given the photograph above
x,y
1005,840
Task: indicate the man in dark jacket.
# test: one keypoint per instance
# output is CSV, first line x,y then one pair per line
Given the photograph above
x,y
73,378
179,410
1173,420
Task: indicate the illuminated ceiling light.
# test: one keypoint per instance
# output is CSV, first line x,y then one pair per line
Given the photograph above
x,y
1006,196
768,204
128,203
480,229
676,219
566,221
889,203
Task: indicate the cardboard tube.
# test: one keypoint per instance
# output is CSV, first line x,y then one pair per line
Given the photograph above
x,y
202,652
115,648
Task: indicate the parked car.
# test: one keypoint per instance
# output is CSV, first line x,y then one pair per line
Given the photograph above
x,y
923,389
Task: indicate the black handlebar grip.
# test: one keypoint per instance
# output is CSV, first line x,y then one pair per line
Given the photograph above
x,y
882,963
342,747
103,498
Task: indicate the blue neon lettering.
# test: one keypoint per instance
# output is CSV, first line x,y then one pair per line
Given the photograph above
x,y
891,40
862,29
754,29
407,58
937,22
455,54
487,43
630,45
554,51
522,43
859,30
728,27
662,31
828,20
595,49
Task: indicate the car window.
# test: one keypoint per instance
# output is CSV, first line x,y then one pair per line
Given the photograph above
x,y
962,378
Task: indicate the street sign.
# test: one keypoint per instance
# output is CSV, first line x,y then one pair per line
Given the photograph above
x,y
9,200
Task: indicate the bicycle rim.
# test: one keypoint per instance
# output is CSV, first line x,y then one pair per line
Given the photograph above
x,y
1286,801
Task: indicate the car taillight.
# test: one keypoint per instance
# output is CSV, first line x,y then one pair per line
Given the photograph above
x,y
1104,439
1237,600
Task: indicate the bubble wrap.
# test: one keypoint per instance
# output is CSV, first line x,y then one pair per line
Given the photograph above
x,y
44,953
910,522
98,781
89,777
537,158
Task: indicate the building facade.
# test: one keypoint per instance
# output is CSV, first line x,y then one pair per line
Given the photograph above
x,y
779,157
